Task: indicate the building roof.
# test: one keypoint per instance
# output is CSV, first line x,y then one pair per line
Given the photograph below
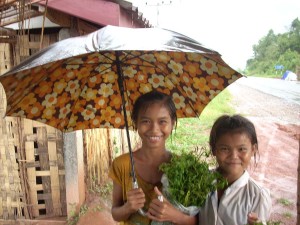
x,y
99,12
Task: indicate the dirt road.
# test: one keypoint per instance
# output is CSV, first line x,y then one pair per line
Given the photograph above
x,y
278,127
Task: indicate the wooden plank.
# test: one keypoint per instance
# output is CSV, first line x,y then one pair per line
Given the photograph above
x,y
47,173
44,173
61,168
23,41
17,57
15,19
54,176
14,127
44,196
8,207
39,187
34,45
42,150
1,206
31,172
32,164
85,27
46,41
53,38
41,206
9,40
5,65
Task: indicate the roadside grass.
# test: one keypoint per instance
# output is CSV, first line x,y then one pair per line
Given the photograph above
x,y
284,202
191,133
276,76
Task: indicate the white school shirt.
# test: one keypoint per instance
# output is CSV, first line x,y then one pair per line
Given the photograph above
x,y
239,199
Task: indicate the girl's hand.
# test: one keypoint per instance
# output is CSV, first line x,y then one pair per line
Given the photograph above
x,y
252,218
160,209
135,199
164,211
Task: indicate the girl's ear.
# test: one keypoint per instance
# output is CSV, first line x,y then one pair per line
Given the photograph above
x,y
254,149
173,124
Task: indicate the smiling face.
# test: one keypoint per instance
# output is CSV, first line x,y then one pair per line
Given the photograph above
x,y
154,125
233,152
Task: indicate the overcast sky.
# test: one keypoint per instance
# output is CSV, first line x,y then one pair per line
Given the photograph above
x,y
230,27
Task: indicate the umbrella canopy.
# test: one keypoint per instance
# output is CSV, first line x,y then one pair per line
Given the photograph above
x,y
82,82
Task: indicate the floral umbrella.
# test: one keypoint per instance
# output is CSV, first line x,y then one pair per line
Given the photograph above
x,y
92,81
75,83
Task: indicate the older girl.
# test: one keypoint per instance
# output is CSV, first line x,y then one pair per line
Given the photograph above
x,y
154,117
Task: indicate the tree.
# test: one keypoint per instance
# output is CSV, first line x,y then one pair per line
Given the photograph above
x,y
281,49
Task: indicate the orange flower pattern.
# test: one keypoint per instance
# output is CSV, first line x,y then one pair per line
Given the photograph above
x,y
82,92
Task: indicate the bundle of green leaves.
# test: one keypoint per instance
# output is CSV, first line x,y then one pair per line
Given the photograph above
x,y
190,178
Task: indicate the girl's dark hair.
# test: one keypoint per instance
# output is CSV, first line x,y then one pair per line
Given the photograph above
x,y
232,124
146,100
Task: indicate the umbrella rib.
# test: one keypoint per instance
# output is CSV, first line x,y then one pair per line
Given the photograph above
x,y
136,57
127,56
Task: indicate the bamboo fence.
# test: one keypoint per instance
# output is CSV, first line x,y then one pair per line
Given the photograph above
x,y
102,146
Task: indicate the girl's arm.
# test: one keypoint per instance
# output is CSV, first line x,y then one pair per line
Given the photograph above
x,y
135,200
262,211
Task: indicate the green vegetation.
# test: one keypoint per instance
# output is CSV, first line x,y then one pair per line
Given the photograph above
x,y
287,215
190,179
194,132
276,49
284,201
74,217
269,223
103,190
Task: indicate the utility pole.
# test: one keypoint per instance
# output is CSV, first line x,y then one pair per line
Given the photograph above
x,y
158,4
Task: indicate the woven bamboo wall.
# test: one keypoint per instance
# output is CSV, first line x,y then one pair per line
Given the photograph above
x,y
45,174
11,192
5,58
31,168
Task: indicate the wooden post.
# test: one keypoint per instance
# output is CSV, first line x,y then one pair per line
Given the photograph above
x,y
74,167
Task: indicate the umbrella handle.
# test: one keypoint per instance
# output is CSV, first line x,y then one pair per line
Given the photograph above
x,y
141,211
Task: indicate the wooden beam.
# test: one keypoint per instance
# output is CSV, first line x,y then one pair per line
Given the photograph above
x,y
7,3
7,32
8,40
15,19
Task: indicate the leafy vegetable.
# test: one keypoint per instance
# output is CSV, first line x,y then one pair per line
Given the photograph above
x,y
190,179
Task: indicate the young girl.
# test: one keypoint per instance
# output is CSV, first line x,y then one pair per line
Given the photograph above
x,y
154,116
233,142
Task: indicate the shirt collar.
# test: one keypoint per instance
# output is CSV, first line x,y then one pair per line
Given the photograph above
x,y
242,181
